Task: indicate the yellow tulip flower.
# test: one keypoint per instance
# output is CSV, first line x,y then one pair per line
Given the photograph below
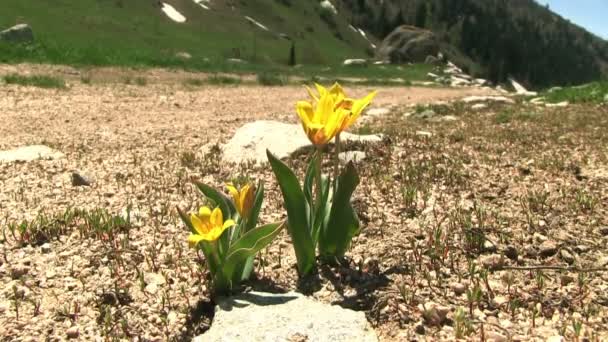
x,y
243,199
322,121
209,225
354,106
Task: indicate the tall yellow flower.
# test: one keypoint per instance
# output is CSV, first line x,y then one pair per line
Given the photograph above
x,y
354,106
323,120
243,199
209,225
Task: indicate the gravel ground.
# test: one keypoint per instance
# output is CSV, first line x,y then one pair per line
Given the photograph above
x,y
528,186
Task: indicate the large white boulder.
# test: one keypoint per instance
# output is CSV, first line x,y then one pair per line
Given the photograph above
x,y
29,153
250,141
258,317
521,90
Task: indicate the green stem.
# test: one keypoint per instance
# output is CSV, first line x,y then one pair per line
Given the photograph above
x,y
318,160
337,159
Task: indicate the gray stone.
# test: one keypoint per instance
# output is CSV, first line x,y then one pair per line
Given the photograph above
x,y
257,316
73,332
408,44
80,180
21,33
548,248
29,153
19,271
567,256
604,231
459,288
154,278
511,253
352,156
434,315
492,261
426,114
250,141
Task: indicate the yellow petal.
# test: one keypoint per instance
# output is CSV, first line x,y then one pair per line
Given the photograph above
x,y
200,226
324,110
204,212
358,107
228,224
194,239
312,95
216,218
234,193
321,89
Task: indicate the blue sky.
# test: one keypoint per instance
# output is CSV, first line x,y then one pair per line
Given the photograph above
x,y
590,14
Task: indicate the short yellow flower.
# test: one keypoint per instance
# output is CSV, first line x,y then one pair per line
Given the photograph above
x,y
209,225
243,199
354,106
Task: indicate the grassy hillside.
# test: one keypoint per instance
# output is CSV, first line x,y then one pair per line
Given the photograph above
x,y
136,32
504,38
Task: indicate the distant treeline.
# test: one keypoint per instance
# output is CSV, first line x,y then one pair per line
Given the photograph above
x,y
497,38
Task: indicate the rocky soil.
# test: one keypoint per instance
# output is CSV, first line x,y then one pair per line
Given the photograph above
x,y
486,223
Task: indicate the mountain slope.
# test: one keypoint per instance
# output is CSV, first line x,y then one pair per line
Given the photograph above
x,y
516,38
494,39
122,31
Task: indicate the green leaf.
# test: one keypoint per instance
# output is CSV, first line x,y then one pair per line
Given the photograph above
x,y
343,223
321,213
249,245
219,199
297,214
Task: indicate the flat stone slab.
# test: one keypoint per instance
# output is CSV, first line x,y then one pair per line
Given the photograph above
x,y
29,153
250,141
258,316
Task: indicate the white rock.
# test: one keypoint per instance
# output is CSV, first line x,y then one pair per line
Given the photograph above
x,y
520,90
172,13
45,248
326,4
29,153
480,81
472,99
257,316
538,100
203,3
355,61
251,140
479,106
424,134
354,156
378,112
558,105
457,81
236,61
256,23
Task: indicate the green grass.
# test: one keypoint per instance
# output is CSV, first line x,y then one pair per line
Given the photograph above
x,y
589,93
136,34
132,33
41,81
224,80
271,79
